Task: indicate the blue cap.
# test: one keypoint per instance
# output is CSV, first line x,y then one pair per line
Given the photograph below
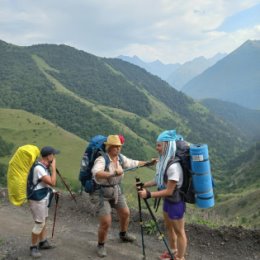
x,y
47,150
168,135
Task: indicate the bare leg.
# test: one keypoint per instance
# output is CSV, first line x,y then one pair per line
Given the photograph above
x,y
104,225
43,234
178,226
171,234
35,239
123,214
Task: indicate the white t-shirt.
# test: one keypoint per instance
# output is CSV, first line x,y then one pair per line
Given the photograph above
x,y
175,173
39,172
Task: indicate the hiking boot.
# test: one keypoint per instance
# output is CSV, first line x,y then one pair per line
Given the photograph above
x,y
127,237
34,252
101,251
45,245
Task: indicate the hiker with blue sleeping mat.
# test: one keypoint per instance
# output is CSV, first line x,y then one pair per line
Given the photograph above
x,y
41,179
169,179
108,177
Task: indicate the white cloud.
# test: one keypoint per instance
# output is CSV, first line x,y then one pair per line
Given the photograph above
x,y
172,31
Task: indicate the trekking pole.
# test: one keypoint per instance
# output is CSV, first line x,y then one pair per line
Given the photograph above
x,y
150,163
55,212
66,185
156,204
139,185
156,223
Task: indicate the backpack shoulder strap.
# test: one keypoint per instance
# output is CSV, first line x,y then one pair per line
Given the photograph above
x,y
30,177
121,160
30,185
170,162
107,161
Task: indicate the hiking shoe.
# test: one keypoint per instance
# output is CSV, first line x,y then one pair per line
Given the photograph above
x,y
101,251
166,256
34,252
127,238
45,245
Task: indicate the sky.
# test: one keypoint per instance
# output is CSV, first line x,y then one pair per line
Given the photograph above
x,y
172,31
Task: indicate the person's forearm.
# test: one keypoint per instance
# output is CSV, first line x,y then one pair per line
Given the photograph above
x,y
149,184
161,193
142,163
105,175
53,177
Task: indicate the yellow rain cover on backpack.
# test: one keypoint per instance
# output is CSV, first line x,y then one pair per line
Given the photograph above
x,y
18,170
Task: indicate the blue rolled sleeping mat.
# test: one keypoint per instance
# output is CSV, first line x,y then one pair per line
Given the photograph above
x,y
201,176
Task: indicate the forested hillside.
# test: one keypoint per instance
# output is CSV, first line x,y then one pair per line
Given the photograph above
x,y
245,120
88,95
248,162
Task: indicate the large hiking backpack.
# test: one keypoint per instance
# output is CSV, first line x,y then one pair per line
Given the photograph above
x,y
17,174
95,148
197,184
182,156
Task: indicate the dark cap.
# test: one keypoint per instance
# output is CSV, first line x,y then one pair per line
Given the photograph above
x,y
47,150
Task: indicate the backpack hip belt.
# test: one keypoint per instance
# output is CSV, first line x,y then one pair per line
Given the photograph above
x,y
110,192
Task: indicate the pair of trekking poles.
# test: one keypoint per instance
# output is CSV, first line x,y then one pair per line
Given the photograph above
x,y
139,186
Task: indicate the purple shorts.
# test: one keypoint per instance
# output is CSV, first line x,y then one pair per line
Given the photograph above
x,y
174,210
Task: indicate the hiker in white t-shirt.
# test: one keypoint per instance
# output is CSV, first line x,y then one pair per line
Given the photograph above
x,y
42,180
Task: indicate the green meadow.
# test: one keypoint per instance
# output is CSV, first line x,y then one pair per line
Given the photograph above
x,y
20,128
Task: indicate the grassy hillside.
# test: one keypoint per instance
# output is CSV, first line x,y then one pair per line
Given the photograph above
x,y
20,128
243,172
244,119
238,193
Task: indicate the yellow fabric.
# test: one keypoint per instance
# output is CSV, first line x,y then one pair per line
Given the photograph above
x,y
18,170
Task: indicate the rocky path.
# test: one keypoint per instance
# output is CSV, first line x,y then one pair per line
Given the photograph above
x,y
76,228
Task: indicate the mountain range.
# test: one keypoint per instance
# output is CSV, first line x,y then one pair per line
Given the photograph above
x,y
177,75
235,78
189,70
156,67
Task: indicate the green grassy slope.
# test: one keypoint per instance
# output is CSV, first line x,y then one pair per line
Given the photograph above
x,y
238,193
239,208
104,112
20,128
244,119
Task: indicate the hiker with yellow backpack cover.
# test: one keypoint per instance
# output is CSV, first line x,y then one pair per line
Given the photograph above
x,y
31,179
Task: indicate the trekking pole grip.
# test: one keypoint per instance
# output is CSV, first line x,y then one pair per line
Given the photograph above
x,y
139,185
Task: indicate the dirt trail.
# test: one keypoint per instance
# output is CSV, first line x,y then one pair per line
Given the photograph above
x,y
76,228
